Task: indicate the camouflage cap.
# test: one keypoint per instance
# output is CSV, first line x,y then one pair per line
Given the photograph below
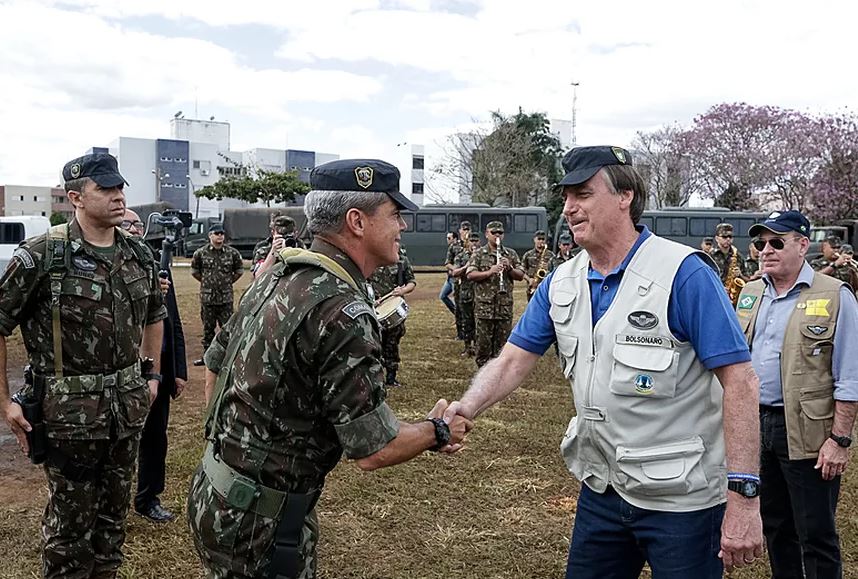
x,y
846,248
216,228
494,225
473,236
540,234
284,224
566,238
465,224
834,241
723,229
708,240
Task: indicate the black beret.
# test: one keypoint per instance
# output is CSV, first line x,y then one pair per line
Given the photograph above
x,y
361,175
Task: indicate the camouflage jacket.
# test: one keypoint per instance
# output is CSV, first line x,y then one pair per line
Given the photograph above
x,y
292,405
104,308
452,251
220,268
750,266
559,258
532,260
261,250
489,302
466,286
387,277
722,260
845,273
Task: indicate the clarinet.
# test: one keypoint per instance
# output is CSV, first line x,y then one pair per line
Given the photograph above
x,y
502,286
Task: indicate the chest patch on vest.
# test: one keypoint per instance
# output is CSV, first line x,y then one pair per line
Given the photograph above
x,y
356,308
644,384
747,302
24,256
645,340
85,263
643,320
817,330
817,308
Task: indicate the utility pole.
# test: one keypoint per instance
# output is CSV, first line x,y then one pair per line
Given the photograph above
x,y
574,112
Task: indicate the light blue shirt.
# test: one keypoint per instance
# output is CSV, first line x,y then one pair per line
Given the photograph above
x,y
766,346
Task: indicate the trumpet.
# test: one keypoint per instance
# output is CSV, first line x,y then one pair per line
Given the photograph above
x,y
851,261
501,286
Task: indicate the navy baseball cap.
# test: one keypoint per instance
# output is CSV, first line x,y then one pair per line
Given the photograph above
x,y
361,175
782,222
100,167
581,163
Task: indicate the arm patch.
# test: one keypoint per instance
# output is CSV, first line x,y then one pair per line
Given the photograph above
x,y
25,257
356,308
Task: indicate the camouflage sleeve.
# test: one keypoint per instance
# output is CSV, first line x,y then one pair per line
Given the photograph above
x,y
347,354
237,263
18,284
473,264
513,259
197,262
408,271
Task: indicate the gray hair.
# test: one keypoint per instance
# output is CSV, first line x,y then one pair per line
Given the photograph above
x,y
326,210
76,184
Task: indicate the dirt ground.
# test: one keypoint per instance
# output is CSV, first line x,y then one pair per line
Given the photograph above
x,y
501,508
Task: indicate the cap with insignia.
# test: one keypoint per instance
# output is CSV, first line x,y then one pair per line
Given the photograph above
x,y
216,228
284,224
100,167
361,175
723,229
782,222
494,226
540,234
581,163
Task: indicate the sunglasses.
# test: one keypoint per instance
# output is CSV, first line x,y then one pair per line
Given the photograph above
x,y
217,233
777,243
727,236
496,232
127,225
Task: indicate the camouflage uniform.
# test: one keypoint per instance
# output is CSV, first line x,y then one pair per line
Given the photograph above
x,y
93,414
383,281
846,273
219,268
466,298
492,309
531,261
306,388
750,266
722,260
453,250
261,251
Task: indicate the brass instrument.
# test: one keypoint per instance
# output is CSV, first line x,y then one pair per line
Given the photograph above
x,y
734,282
541,270
851,261
501,286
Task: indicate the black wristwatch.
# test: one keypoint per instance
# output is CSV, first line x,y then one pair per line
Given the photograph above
x,y
153,376
747,488
843,441
442,433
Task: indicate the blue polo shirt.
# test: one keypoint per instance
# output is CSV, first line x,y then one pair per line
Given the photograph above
x,y
698,311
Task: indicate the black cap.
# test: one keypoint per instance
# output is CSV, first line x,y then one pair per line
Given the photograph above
x,y
708,240
100,167
361,175
581,163
782,222
216,228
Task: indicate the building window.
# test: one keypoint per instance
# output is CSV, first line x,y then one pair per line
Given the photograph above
x,y
36,198
196,164
43,214
416,162
417,188
20,197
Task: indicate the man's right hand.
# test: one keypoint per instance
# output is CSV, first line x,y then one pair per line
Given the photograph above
x,y
17,424
741,532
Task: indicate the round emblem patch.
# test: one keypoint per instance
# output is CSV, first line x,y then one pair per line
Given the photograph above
x,y
75,170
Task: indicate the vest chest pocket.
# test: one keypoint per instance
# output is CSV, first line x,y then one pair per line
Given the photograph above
x,y
644,371
137,283
666,469
79,299
562,306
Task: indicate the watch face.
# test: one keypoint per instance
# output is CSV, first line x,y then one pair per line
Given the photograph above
x,y
751,489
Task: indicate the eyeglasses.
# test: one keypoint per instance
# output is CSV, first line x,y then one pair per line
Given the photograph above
x,y
777,243
496,232
127,225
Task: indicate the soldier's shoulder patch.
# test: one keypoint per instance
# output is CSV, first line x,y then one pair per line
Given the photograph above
x,y
356,308
25,258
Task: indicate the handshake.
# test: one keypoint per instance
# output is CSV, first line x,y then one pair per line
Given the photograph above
x,y
458,423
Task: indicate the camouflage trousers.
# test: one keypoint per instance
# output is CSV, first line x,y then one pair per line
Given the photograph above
x,y
213,315
235,544
83,527
490,338
468,322
459,318
390,339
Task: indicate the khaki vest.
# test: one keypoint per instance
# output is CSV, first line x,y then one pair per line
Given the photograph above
x,y
649,417
806,380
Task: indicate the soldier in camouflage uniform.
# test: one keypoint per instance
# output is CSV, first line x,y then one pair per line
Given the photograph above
x,y
533,260
216,266
296,380
396,280
283,234
493,287
452,251
751,267
833,262
724,249
95,400
466,292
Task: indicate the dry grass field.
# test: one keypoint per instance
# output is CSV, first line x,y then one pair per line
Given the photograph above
x,y
501,508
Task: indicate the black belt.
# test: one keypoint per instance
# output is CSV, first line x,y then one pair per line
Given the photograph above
x,y
771,409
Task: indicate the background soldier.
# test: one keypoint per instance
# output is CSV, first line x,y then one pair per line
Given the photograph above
x,y
724,251
492,269
263,248
834,262
308,388
751,267
535,262
706,244
564,252
452,251
283,234
216,266
466,292
86,374
395,280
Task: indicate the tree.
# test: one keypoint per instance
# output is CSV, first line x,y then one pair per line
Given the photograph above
x,y
57,218
660,158
835,185
254,186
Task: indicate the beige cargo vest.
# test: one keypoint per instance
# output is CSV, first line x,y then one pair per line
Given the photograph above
x,y
806,380
649,418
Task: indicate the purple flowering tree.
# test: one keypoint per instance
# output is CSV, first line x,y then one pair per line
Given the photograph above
x,y
835,185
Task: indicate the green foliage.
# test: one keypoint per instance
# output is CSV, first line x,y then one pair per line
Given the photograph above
x,y
58,218
267,186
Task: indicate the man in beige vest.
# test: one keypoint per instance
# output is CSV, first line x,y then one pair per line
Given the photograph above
x,y
643,328
803,331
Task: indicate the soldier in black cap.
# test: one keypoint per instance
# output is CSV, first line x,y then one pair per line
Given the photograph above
x,y
296,379
536,262
86,297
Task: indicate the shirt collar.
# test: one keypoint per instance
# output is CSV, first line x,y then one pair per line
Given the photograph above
x,y
644,233
805,278
319,245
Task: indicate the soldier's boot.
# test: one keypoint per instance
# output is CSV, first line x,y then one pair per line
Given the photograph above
x,y
391,379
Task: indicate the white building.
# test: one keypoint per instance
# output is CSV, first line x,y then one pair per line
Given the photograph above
x,y
26,200
410,160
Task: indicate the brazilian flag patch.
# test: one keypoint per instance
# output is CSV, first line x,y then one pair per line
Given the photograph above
x,y
747,302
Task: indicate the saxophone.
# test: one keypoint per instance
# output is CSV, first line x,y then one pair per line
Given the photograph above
x,y
541,270
734,282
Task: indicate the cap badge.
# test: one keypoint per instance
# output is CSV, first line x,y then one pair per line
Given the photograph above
x,y
364,176
75,170
619,154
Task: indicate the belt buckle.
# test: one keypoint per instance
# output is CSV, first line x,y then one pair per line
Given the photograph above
x,y
242,492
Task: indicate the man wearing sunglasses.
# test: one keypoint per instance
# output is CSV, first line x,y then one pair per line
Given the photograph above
x,y
216,266
724,251
643,326
803,330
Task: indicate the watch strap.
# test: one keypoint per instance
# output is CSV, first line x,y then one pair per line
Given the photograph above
x,y
442,433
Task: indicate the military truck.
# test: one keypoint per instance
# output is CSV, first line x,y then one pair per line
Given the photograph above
x,y
245,227
845,229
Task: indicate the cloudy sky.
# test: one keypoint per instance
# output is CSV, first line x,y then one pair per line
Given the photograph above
x,y
356,77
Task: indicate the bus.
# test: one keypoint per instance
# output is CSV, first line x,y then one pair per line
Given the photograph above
x,y
424,237
689,225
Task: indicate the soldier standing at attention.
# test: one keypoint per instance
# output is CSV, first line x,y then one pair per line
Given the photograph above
x,y
564,252
396,280
216,266
307,386
87,298
536,262
466,292
492,269
453,250
724,251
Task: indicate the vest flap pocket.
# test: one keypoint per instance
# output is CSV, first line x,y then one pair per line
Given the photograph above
x,y
74,407
657,359
567,347
666,469
817,403
561,306
82,288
